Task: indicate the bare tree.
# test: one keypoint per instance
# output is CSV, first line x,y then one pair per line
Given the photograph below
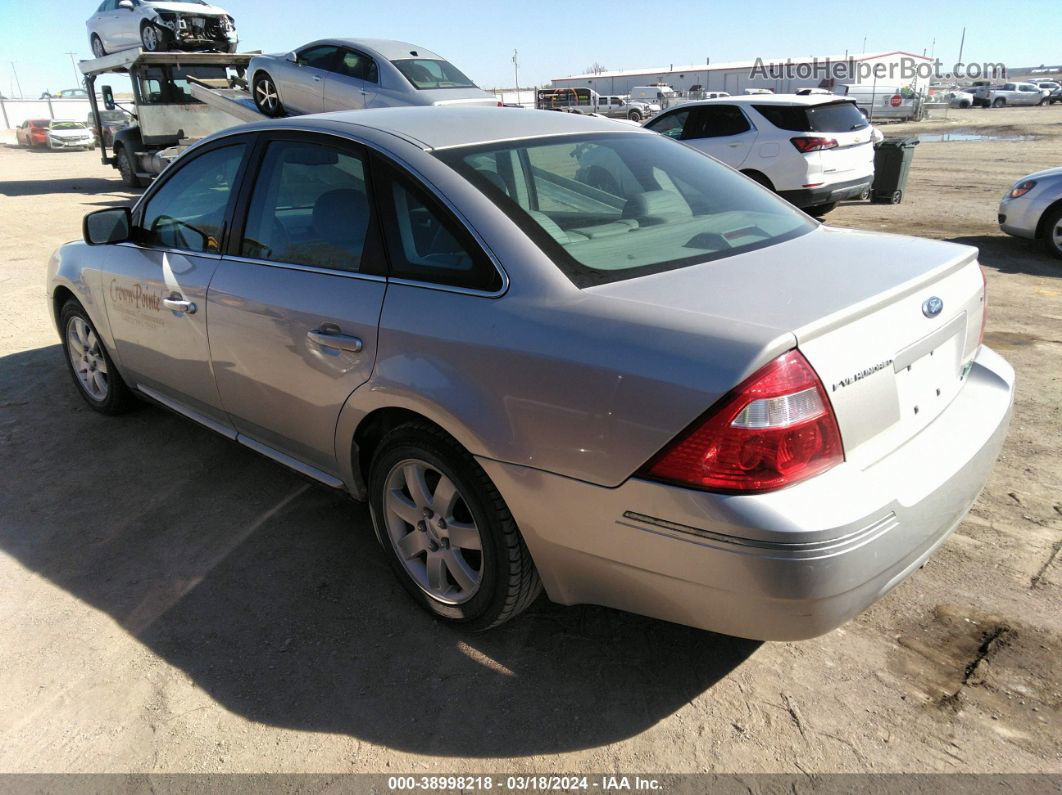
x,y
595,69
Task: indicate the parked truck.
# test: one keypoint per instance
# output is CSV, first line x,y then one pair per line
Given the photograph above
x,y
1007,94
168,110
586,100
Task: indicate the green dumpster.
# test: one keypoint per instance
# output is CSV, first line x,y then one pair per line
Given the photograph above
x,y
892,163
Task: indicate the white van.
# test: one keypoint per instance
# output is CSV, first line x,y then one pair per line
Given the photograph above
x,y
882,101
661,94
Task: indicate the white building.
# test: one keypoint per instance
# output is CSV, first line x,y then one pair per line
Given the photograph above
x,y
781,75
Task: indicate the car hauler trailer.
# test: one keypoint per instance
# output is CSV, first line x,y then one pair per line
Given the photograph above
x,y
178,98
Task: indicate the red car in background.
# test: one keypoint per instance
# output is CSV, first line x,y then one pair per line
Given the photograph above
x,y
32,132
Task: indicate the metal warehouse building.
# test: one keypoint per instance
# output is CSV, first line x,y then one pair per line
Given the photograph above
x,y
781,75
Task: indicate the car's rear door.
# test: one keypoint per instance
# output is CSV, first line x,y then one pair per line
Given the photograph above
x,y
353,82
723,131
295,303
155,287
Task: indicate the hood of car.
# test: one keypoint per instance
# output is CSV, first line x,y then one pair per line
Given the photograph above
x,y
75,133
189,8
1047,172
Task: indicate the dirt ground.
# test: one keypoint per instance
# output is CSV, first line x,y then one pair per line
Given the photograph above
x,y
171,602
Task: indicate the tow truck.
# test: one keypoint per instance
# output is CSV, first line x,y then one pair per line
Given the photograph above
x,y
178,98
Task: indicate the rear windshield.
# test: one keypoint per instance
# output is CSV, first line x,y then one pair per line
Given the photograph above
x,y
427,73
614,206
832,117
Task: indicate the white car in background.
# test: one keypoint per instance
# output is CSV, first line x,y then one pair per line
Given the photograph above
x,y
69,134
813,150
160,26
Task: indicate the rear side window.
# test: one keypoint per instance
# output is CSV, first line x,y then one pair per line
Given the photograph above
x,y
834,117
310,206
425,243
188,211
359,66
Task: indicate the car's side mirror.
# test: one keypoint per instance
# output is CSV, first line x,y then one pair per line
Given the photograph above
x,y
126,4
108,98
291,57
112,225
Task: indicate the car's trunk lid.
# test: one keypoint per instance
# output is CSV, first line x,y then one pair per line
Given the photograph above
x,y
859,305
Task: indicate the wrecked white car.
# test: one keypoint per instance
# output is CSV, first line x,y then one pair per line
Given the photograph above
x,y
159,26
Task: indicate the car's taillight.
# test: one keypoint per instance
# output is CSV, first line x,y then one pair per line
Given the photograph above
x,y
984,306
813,144
501,104
775,429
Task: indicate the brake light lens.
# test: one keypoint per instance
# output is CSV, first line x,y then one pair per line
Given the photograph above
x,y
1022,188
775,429
807,144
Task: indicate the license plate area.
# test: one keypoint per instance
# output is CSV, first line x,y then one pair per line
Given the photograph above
x,y
929,375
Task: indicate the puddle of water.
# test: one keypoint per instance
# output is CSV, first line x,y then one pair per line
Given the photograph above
x,y
963,136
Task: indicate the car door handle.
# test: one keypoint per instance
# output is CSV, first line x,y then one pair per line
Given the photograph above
x,y
179,305
328,336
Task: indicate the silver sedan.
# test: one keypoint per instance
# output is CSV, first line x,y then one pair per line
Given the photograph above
x,y
1032,209
354,74
669,392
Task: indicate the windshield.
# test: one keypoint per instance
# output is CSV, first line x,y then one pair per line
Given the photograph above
x,y
427,73
67,125
833,117
608,207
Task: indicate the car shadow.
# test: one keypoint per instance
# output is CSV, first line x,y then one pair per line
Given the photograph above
x,y
1012,254
87,185
273,595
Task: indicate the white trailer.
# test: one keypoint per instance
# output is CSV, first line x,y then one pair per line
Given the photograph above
x,y
178,98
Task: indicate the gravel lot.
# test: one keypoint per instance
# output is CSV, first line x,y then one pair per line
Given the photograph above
x,y
170,601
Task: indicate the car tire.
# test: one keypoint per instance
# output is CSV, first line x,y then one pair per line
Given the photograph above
x,y
127,170
1051,233
635,116
999,102
760,179
819,210
451,579
96,44
266,96
152,38
91,367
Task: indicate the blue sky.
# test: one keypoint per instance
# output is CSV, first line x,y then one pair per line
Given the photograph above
x,y
560,38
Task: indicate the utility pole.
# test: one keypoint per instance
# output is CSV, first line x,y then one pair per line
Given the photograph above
x,y
516,73
73,63
864,44
962,43
17,83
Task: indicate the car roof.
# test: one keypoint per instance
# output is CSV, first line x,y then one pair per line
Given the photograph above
x,y
445,127
388,49
771,99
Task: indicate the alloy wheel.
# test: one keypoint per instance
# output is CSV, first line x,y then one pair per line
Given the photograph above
x,y
87,359
266,96
433,532
97,47
150,38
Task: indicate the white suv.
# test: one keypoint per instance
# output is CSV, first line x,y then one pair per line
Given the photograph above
x,y
813,150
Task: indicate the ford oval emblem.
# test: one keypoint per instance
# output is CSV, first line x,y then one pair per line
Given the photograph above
x,y
932,306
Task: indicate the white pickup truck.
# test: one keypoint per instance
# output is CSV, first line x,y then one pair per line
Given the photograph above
x,y
1007,94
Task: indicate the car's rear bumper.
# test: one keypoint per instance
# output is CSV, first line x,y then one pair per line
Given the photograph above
x,y
787,565
828,193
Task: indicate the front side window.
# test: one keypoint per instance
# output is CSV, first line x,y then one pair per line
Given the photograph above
x,y
671,124
717,121
429,73
188,211
615,206
320,57
310,206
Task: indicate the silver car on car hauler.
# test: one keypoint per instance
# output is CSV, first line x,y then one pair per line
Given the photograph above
x,y
354,74
680,397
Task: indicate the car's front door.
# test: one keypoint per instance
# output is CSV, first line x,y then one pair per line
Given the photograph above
x,y
302,89
354,82
723,131
156,286
295,303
